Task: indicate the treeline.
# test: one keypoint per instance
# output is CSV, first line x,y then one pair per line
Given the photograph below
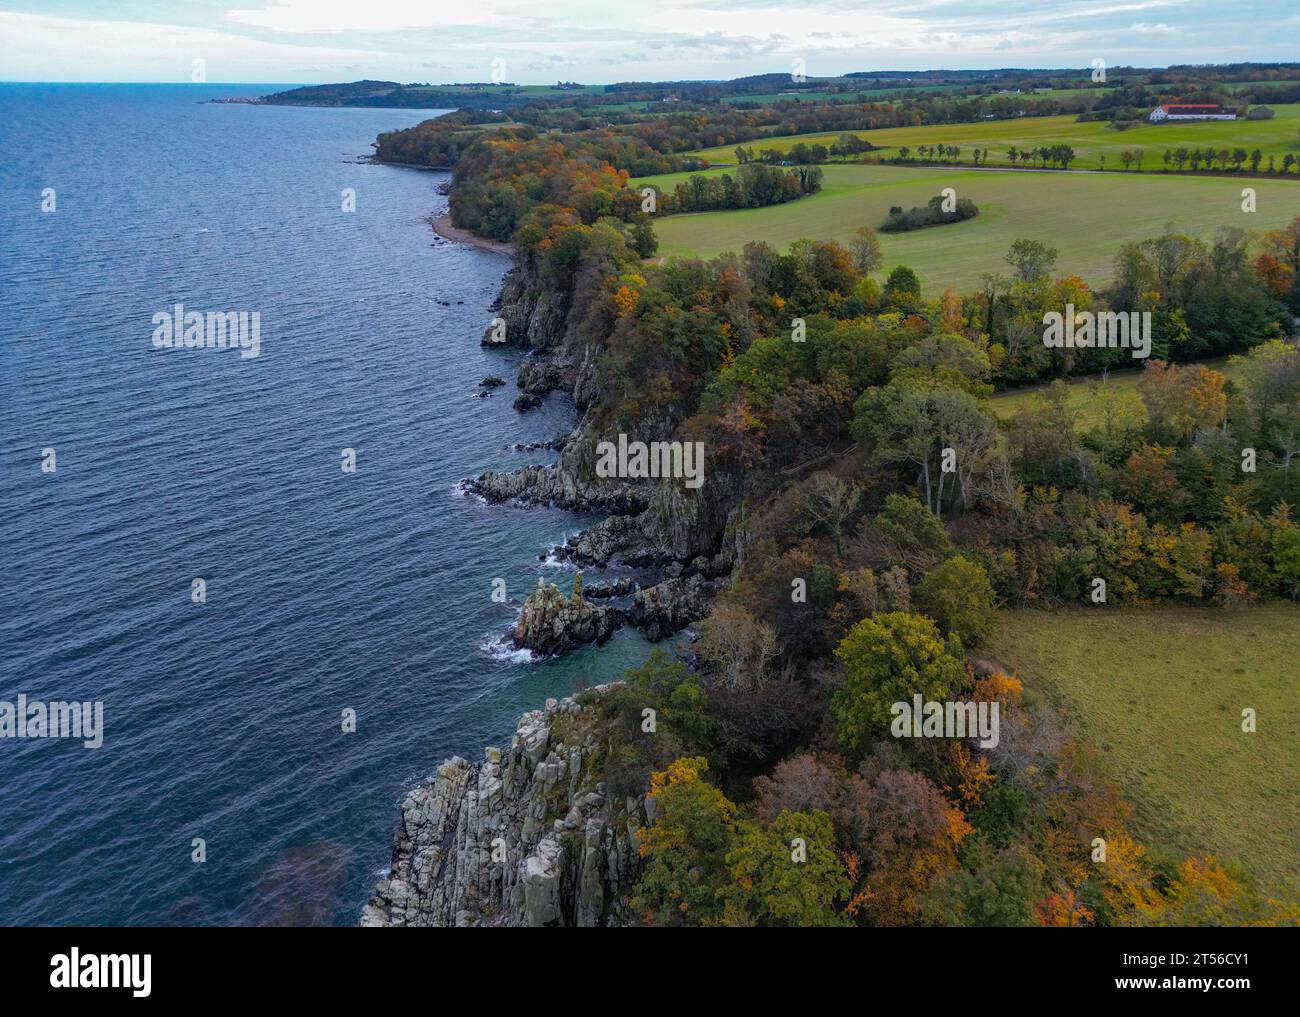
x,y
753,186
930,214
1058,156
724,125
847,146
1214,160
1205,298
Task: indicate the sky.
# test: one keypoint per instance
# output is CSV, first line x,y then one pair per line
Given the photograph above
x,y
598,41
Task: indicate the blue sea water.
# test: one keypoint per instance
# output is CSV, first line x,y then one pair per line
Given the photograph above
x,y
325,591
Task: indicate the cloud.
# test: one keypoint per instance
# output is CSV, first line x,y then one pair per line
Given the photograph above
x,y
40,47
323,40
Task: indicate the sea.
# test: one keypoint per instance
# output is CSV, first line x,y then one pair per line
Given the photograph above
x,y
263,568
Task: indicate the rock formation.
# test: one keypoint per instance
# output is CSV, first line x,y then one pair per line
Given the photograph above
x,y
529,836
667,607
552,623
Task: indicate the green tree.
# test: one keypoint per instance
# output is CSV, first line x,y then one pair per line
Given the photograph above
x,y
888,658
1286,558
686,848
1031,259
999,892
902,286
788,873
959,596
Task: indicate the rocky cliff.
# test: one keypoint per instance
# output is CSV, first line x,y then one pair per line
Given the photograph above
x,y
530,836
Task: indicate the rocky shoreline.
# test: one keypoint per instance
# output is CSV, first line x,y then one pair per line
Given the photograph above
x,y
530,836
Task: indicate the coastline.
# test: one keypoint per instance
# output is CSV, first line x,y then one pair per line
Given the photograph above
x,y
442,226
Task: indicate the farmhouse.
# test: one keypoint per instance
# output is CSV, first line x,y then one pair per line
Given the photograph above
x,y
1190,111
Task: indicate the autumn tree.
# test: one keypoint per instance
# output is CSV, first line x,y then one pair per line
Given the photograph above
x,y
1181,400
809,782
914,834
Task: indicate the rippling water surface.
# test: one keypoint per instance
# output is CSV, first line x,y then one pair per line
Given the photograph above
x,y
325,591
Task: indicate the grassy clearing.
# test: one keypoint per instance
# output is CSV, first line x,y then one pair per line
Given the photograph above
x,y
1005,404
1090,141
1159,691
1085,216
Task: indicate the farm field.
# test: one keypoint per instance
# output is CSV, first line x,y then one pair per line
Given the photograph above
x,y
1159,693
1005,404
1090,140
1085,216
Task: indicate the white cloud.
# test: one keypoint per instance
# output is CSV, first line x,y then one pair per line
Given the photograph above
x,y
39,47
308,17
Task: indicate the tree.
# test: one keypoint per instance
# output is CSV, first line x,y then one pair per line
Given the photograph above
x,y
788,873
1000,891
810,783
1031,259
945,361
740,648
686,848
888,659
927,430
644,240
865,245
902,286
1208,893
830,502
1181,400
913,836
1286,558
959,596
909,535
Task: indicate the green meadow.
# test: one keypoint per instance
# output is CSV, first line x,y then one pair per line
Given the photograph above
x,y
1159,692
1079,393
1085,216
1090,141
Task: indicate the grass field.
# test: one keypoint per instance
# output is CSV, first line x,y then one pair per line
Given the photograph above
x,y
1085,216
1159,691
1005,404
1090,140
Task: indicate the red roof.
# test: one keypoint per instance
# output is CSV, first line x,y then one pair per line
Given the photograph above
x,y
1176,107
